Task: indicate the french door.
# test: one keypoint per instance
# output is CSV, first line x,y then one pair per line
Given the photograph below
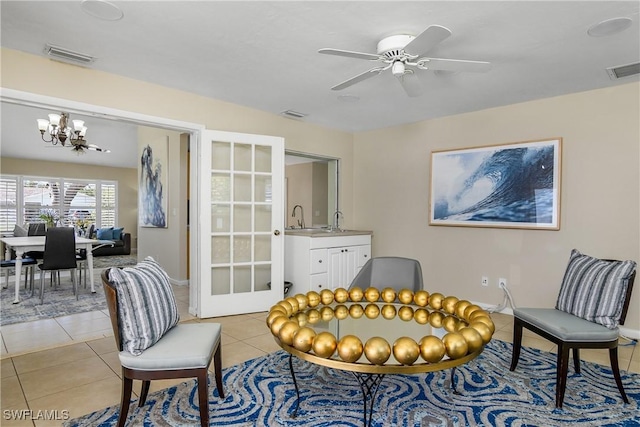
x,y
241,227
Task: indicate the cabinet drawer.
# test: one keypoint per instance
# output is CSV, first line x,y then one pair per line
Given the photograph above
x,y
364,254
318,261
318,282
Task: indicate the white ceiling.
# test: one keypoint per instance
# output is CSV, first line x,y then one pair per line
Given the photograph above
x,y
264,54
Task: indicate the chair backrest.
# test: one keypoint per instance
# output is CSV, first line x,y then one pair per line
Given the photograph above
x,y
59,249
37,229
112,304
394,272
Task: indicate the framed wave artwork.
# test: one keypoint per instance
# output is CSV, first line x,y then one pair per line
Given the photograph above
x,y
504,186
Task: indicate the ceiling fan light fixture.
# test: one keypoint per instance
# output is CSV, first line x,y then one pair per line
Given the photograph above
x,y
398,68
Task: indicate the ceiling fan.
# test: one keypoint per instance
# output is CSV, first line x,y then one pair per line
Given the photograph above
x,y
404,55
59,132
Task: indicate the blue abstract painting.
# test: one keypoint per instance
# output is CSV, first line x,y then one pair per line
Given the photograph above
x,y
151,191
514,185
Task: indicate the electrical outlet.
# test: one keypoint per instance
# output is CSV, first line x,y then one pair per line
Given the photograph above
x,y
502,283
485,281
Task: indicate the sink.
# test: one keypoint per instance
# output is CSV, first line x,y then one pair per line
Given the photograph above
x,y
310,230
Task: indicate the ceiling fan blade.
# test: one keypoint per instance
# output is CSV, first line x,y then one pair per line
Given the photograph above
x,y
427,40
360,77
453,65
410,84
350,54
96,148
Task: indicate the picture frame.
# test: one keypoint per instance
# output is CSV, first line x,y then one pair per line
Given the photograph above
x,y
515,185
152,186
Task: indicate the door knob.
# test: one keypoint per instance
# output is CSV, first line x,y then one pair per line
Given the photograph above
x,y
277,232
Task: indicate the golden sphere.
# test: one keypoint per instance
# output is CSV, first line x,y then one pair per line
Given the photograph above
x,y
303,302
371,311
487,321
422,316
450,323
405,296
294,304
356,294
377,350
473,339
356,311
314,298
273,316
313,316
435,300
303,339
460,307
388,295
405,313
449,304
406,350
277,324
341,312
278,308
326,296
287,330
350,348
302,318
483,330
326,314
341,295
471,309
388,311
421,298
324,344
432,349
435,319
287,306
455,344
372,294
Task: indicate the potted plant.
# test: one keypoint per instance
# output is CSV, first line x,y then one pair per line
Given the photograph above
x,y
49,216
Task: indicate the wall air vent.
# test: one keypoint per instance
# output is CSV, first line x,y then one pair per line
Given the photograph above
x,y
293,114
69,56
623,71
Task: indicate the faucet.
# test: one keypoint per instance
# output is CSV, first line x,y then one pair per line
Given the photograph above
x,y
336,220
301,220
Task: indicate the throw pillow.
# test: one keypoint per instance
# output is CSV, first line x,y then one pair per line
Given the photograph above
x,y
104,233
594,289
117,233
19,231
146,304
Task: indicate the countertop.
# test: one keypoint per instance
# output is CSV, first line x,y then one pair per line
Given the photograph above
x,y
323,232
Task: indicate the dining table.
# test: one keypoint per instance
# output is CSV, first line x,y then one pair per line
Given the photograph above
x,y
21,245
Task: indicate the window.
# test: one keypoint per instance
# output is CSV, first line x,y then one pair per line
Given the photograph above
x,y
71,202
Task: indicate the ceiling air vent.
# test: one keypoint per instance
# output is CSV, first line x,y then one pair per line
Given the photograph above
x,y
67,55
293,114
623,71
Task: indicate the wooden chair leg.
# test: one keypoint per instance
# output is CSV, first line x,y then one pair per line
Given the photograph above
x,y
613,357
561,373
144,392
203,396
217,365
517,344
127,385
576,360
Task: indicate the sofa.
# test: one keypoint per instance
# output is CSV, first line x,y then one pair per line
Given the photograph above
x,y
122,245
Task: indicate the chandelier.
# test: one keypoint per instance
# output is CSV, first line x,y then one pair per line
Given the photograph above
x,y
57,130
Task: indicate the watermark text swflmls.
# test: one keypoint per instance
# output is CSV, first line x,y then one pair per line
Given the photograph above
x,y
32,414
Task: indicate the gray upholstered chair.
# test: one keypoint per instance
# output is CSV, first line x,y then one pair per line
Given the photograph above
x,y
390,272
593,301
182,351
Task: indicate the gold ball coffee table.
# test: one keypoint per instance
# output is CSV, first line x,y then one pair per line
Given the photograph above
x,y
375,332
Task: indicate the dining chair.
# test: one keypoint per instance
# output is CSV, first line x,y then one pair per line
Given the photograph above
x,y
593,300
27,263
36,229
168,350
390,272
59,255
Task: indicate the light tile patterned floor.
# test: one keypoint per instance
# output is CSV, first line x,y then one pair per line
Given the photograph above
x,y
71,363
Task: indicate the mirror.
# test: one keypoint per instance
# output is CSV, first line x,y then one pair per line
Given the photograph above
x,y
311,182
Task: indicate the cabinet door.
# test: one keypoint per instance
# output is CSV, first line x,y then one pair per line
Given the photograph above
x,y
364,254
334,267
318,282
318,261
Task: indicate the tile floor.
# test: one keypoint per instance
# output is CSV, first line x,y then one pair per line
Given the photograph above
x,y
71,363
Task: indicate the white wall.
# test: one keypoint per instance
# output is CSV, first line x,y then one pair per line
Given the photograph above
x,y
600,200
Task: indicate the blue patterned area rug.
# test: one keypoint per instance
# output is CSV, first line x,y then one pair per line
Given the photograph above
x,y
260,393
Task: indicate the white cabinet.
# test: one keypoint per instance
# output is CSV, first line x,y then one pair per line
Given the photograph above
x,y
325,261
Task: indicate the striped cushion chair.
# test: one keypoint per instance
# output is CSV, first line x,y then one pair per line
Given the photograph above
x,y
593,301
152,344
